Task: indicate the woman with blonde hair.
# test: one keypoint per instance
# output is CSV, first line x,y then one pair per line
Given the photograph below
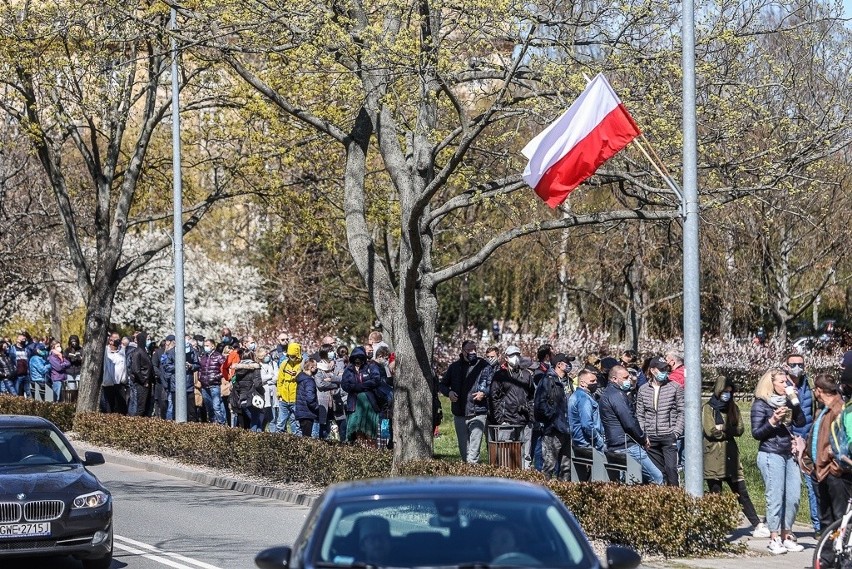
x,y
776,407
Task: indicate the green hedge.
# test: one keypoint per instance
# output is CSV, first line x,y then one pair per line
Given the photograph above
x,y
282,458
62,414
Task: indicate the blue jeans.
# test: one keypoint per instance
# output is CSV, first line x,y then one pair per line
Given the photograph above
x,y
650,472
287,414
813,501
212,397
783,482
22,385
8,386
254,416
57,390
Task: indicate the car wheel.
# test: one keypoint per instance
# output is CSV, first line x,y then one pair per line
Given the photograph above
x,y
99,562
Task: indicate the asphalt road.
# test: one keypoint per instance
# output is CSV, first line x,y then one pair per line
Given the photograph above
x,y
162,521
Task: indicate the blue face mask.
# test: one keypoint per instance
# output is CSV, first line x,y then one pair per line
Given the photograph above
x,y
662,376
626,385
725,397
208,349
267,359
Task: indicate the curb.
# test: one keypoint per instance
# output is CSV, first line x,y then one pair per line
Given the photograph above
x,y
223,482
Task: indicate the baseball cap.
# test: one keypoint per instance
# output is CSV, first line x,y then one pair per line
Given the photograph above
x,y
659,363
559,358
170,338
513,351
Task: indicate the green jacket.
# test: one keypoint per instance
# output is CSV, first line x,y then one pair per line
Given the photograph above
x,y
721,453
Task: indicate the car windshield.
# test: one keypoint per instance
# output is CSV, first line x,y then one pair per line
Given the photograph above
x,y
31,446
451,532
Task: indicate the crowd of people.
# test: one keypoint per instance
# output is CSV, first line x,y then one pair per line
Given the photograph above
x,y
636,407
625,405
230,381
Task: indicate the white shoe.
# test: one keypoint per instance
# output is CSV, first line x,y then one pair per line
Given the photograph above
x,y
760,530
776,547
791,545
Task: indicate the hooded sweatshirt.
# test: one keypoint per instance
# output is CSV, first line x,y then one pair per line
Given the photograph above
x,y
287,372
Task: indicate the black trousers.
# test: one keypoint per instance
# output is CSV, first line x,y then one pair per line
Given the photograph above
x,y
306,426
738,487
115,398
663,453
833,493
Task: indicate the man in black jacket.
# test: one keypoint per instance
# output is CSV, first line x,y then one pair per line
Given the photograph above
x,y
551,410
460,384
140,373
622,430
511,403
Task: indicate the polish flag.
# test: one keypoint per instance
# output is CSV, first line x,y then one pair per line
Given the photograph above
x,y
571,149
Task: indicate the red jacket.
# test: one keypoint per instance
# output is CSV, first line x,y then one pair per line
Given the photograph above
x,y
678,375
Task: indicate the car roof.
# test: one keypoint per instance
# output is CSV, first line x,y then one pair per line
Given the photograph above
x,y
442,486
23,421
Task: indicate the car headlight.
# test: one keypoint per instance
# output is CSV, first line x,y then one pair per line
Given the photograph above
x,y
92,500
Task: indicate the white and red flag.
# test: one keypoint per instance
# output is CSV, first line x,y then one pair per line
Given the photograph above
x,y
571,149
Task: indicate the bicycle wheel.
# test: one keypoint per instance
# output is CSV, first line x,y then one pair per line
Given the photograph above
x,y
824,556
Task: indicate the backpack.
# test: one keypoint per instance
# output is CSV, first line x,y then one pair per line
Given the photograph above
x,y
838,438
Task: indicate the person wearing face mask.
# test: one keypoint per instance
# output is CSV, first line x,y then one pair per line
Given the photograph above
x,y
140,375
722,424
210,376
622,430
459,383
659,410
551,410
511,402
286,385
584,417
115,376
794,364
268,375
74,354
40,372
169,373
307,404
834,484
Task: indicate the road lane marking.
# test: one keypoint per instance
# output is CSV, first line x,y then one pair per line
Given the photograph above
x,y
159,555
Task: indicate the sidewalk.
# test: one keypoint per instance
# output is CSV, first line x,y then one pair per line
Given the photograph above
x,y
755,557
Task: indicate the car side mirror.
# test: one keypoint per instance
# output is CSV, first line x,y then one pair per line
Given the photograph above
x,y
618,557
273,558
93,458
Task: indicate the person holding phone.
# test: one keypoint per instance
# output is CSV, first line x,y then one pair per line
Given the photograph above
x,y
775,410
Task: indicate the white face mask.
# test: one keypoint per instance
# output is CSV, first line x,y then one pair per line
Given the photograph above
x,y
514,361
725,397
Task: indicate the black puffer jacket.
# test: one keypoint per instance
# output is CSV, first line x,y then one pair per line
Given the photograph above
x,y
512,397
247,382
778,439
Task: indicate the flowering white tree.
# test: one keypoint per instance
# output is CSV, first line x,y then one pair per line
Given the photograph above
x,y
216,292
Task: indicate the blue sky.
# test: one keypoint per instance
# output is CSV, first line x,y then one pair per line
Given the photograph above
x,y
847,8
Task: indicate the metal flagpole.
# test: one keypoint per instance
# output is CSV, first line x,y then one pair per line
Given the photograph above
x,y
693,438
180,339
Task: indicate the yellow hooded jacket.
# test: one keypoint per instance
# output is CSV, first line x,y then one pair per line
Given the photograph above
x,y
287,373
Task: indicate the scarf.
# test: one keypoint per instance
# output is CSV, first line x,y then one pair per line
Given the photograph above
x,y
776,400
719,407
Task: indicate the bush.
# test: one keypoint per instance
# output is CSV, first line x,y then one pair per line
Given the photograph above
x,y
652,519
61,414
278,457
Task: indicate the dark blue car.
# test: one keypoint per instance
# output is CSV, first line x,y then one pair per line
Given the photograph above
x,y
50,504
473,523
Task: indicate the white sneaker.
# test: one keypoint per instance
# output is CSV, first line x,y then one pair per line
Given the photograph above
x,y
791,545
776,547
760,530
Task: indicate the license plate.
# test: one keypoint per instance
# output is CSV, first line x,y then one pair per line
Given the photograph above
x,y
24,530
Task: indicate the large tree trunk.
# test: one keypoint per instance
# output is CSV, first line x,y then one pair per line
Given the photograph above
x,y
99,309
